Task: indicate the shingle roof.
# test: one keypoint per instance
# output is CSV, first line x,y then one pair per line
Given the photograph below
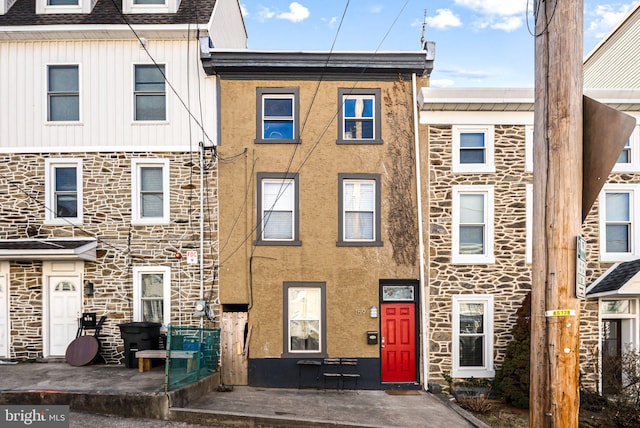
x,y
106,12
617,277
48,249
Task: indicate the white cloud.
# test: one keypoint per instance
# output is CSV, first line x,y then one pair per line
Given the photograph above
x,y
444,19
376,8
265,13
297,13
508,24
330,21
495,7
605,17
441,83
243,10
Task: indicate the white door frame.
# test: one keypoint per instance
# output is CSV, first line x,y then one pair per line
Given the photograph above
x,y
52,269
4,274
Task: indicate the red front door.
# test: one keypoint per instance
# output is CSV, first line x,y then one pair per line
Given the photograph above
x,y
398,342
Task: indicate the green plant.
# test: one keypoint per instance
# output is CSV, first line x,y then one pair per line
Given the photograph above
x,y
476,403
512,379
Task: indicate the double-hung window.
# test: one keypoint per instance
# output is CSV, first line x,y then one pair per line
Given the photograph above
x,y
472,230
150,191
359,210
277,111
278,213
473,149
304,319
63,184
472,336
152,294
629,159
63,93
150,6
619,235
150,99
63,6
359,116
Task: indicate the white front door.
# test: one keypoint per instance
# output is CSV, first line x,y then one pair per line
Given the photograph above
x,y
4,319
64,310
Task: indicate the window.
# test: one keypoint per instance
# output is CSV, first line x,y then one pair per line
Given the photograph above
x,y
619,236
63,93
472,336
528,142
63,197
277,113
529,223
152,294
278,214
150,6
472,233
359,210
149,93
304,319
629,159
150,191
63,6
473,149
359,116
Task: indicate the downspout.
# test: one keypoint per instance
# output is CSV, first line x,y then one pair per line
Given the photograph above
x,y
424,313
201,295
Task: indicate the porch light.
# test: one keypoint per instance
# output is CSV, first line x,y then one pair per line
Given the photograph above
x,y
373,312
88,288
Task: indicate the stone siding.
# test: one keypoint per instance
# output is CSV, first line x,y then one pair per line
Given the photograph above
x,y
121,245
509,278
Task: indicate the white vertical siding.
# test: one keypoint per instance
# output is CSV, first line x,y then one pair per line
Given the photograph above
x,y
106,96
227,28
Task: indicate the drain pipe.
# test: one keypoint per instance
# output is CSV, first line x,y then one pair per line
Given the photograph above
x,y
424,309
201,295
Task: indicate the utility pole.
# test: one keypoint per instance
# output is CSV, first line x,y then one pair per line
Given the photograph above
x,y
557,215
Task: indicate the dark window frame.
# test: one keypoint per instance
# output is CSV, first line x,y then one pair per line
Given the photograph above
x,y
377,241
377,115
296,215
285,319
260,95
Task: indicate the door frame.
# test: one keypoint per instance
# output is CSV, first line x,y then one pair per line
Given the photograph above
x,y
50,269
4,273
385,297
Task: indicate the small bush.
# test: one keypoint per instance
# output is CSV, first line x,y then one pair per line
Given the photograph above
x,y
476,404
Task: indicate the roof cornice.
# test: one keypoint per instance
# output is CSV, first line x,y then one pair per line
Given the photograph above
x,y
101,32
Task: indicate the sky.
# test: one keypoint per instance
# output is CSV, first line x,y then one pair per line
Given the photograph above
x,y
479,43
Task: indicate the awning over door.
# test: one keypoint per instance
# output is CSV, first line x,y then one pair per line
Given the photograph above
x,y
48,249
620,279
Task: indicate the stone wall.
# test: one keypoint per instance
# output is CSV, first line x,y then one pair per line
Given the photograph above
x,y
509,279
121,246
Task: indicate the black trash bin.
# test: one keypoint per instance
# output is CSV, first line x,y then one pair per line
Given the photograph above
x,y
139,336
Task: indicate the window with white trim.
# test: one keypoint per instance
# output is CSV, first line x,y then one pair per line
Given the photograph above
x,y
473,148
152,294
63,6
619,234
359,116
359,210
304,319
472,229
278,213
150,6
629,159
472,336
63,93
63,197
528,142
149,94
529,223
150,191
277,112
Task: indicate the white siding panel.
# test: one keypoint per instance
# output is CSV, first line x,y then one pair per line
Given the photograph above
x,y
226,28
106,93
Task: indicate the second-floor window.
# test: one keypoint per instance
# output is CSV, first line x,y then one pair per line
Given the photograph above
x,y
277,113
473,149
63,184
63,93
277,209
149,93
472,233
619,234
150,191
359,209
629,159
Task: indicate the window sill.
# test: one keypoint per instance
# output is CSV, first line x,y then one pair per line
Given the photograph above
x,y
472,372
154,222
359,244
277,141
149,122
359,142
617,257
66,221
474,169
63,123
303,355
295,243
476,260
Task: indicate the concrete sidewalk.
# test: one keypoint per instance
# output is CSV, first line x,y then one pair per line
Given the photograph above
x,y
120,391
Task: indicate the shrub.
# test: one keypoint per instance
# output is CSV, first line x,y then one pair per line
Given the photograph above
x,y
476,403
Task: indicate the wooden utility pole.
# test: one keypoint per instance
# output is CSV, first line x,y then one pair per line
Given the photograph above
x,y
555,315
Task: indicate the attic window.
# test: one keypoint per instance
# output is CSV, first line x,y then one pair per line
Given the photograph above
x,y
150,6
45,7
